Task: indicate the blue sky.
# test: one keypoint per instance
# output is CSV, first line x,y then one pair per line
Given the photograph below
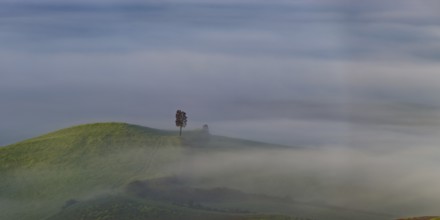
x,y
315,73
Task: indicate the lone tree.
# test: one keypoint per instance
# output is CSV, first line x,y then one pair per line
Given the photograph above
x,y
181,120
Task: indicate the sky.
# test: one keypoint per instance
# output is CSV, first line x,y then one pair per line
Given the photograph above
x,y
313,73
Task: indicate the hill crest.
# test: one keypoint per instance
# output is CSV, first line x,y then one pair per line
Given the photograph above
x,y
113,128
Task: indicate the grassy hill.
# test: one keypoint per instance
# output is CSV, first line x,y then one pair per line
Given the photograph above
x,y
86,156
94,163
77,161
76,142
40,174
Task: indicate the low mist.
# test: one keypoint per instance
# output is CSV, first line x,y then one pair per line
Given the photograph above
x,y
392,182
400,182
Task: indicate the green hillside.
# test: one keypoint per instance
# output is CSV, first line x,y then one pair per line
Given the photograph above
x,y
74,143
86,156
89,162
46,170
40,174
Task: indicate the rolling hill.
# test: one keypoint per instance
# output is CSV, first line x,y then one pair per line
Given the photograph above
x,y
41,173
86,157
95,163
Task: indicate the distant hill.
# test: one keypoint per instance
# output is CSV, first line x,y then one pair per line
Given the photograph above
x,y
163,198
123,207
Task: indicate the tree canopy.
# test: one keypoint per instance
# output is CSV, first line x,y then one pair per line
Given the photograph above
x,y
181,120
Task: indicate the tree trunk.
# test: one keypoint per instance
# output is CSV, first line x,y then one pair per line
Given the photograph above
x,y
180,132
